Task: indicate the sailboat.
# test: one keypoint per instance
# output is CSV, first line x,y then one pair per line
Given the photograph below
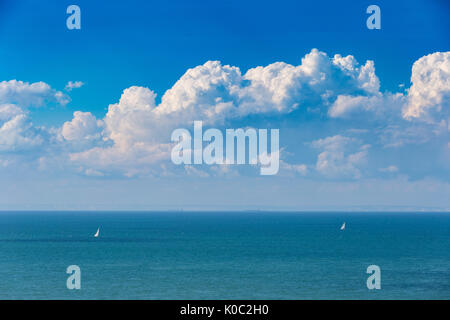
x,y
343,226
97,233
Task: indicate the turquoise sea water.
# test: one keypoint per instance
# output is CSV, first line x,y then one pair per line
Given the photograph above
x,y
188,255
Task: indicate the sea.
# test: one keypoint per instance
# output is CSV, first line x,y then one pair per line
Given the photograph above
x,y
224,255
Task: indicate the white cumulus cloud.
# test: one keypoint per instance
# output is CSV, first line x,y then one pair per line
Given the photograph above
x,y
27,94
430,91
16,130
340,156
134,136
84,126
139,130
73,85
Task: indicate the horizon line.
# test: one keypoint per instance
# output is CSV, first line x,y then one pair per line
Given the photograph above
x,y
219,211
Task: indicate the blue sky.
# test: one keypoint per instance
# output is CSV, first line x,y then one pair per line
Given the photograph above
x,y
152,43
402,162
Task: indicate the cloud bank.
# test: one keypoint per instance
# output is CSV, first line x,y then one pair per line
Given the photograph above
x,y
133,138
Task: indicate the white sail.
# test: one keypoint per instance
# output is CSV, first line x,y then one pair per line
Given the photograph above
x,y
97,233
343,226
